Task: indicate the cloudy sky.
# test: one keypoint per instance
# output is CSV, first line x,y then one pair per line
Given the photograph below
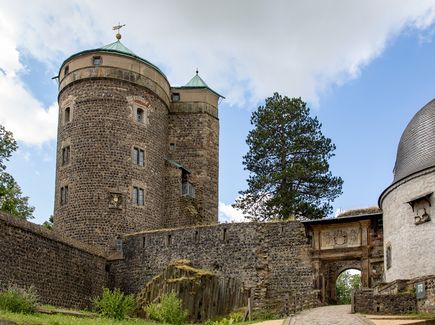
x,y
364,67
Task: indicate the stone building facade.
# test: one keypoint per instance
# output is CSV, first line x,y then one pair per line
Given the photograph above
x,y
133,152
408,203
137,188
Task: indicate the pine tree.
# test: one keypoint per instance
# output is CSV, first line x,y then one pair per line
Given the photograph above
x,y
288,164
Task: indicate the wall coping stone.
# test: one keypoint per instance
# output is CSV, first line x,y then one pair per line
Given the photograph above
x,y
232,224
39,230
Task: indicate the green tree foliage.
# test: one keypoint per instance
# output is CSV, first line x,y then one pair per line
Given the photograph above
x,y
346,282
11,198
288,164
49,223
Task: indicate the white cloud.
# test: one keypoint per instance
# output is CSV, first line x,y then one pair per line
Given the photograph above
x,y
244,49
228,214
20,112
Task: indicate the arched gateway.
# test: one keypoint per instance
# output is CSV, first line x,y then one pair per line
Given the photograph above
x,y
351,242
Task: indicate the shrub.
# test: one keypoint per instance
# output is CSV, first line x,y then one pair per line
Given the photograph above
x,y
18,300
237,316
115,304
169,310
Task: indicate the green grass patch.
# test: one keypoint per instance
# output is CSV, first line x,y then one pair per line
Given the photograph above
x,y
44,319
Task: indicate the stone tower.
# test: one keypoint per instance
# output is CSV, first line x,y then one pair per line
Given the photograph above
x,y
133,153
408,204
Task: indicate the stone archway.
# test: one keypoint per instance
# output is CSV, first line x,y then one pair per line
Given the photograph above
x,y
335,269
345,243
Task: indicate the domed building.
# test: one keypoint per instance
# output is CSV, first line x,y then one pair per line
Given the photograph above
x,y
408,203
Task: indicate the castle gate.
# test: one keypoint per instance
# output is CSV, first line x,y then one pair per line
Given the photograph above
x,y
339,244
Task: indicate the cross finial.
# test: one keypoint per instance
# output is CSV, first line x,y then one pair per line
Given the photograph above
x,y
118,27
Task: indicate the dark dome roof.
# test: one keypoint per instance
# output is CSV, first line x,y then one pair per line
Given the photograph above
x,y
416,150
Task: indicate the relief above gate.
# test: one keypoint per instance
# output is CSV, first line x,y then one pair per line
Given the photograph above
x,y
340,238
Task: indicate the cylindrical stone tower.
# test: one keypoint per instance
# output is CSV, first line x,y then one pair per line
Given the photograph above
x,y
408,204
112,145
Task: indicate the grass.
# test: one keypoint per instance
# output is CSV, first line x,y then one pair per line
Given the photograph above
x,y
44,319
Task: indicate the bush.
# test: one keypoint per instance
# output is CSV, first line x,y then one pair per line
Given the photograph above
x,y
18,300
115,304
169,310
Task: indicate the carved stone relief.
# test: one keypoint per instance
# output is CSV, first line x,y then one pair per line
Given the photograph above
x,y
341,237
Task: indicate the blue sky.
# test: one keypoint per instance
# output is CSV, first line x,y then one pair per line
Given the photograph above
x,y
363,72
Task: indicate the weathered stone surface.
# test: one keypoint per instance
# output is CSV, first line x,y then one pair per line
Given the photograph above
x,y
366,301
63,271
271,260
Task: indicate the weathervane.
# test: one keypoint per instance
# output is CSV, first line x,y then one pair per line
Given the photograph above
x,y
118,27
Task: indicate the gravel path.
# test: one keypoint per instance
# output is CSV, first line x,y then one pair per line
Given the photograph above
x,y
329,315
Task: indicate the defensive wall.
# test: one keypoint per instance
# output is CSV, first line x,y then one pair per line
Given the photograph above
x,y
272,260
63,271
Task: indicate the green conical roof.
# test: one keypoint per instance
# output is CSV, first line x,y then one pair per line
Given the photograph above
x,y
196,82
116,47
119,47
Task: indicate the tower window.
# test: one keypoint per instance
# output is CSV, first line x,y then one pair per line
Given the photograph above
x,y
172,146
67,115
175,97
65,155
187,188
96,60
66,70
138,156
139,115
138,196
388,257
63,195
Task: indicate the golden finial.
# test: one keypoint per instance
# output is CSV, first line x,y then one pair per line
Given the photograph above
x,y
118,27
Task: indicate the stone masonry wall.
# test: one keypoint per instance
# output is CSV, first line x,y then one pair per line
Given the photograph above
x,y
194,133
102,133
271,259
365,301
63,271
425,304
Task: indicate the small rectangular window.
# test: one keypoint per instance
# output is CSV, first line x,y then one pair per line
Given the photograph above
x,y
119,245
139,115
66,70
63,195
65,155
388,252
138,196
67,115
224,234
96,60
138,156
169,240
175,97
